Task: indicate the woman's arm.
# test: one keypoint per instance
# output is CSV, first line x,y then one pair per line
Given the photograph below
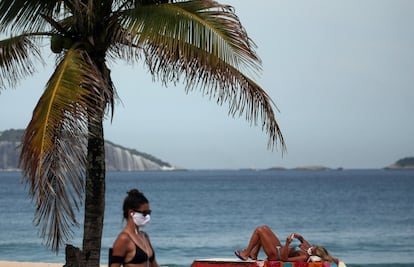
x,y
285,251
119,250
302,240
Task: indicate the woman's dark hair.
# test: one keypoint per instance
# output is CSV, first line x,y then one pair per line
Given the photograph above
x,y
133,200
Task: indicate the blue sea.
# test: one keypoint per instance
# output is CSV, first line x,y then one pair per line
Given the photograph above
x,y
363,217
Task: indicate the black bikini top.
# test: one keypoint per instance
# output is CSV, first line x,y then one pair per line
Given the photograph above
x,y
139,257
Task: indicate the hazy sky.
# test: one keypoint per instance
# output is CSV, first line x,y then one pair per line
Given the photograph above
x,y
340,72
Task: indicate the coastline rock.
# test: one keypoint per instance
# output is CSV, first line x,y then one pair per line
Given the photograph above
x,y
312,168
399,167
117,158
402,164
277,169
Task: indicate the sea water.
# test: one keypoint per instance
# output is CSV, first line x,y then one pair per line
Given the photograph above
x,y
363,217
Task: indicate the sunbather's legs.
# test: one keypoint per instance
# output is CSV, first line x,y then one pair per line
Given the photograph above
x,y
255,252
262,237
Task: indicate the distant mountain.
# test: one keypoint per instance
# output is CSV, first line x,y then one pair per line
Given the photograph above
x,y
405,163
117,158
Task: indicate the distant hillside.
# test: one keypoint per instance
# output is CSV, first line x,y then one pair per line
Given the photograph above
x,y
117,158
405,163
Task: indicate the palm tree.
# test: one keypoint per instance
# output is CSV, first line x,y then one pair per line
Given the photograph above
x,y
62,156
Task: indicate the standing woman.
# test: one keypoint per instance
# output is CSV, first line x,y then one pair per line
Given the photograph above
x,y
133,248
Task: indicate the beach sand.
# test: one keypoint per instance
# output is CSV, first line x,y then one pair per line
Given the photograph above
x,y
31,264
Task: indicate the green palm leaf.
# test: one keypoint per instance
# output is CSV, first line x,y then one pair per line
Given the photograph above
x,y
204,42
18,56
54,145
26,15
206,25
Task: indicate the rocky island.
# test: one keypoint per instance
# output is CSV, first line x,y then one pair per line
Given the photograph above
x,y
405,163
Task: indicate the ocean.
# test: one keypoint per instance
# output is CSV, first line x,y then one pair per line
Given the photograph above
x,y
363,217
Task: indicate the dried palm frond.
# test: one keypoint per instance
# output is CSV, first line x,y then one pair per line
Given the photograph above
x,y
54,144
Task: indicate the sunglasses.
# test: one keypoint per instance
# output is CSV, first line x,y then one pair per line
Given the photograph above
x,y
144,212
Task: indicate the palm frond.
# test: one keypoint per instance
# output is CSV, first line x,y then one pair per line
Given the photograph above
x,y
18,56
26,15
205,42
206,24
54,145
227,84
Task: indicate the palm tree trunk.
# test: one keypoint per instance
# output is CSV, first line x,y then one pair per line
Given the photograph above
x,y
94,195
94,184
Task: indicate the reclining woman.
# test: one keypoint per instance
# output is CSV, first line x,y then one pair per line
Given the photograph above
x,y
263,237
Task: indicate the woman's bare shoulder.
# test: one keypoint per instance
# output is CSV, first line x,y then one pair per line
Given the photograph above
x,y
123,238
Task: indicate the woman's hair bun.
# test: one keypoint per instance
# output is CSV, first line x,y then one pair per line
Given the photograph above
x,y
134,192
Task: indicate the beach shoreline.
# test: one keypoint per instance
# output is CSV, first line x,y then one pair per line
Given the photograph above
x,y
31,264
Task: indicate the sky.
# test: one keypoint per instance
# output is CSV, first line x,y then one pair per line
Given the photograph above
x,y
341,74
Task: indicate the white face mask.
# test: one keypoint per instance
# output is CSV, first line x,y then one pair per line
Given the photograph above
x,y
310,251
140,220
